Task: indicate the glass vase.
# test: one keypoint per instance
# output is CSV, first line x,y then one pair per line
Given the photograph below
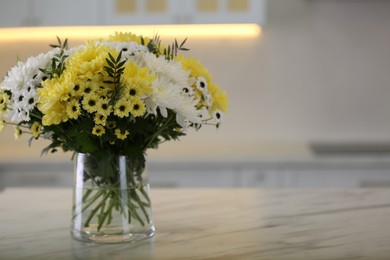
x,y
111,201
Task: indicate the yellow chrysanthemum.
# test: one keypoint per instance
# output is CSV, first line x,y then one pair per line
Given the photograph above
x,y
2,124
100,119
127,37
219,98
90,62
53,96
122,108
111,124
73,109
56,115
104,108
18,132
77,89
121,135
133,91
54,91
139,78
138,107
194,66
4,100
36,129
91,102
98,130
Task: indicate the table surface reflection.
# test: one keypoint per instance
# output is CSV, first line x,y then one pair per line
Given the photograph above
x,y
210,224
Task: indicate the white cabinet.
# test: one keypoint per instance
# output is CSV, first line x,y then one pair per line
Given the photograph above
x,y
305,173
136,12
184,11
262,178
192,174
17,13
69,12
129,12
343,178
224,11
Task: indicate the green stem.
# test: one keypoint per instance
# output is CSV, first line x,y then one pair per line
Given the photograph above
x,y
158,132
94,198
107,213
93,212
140,203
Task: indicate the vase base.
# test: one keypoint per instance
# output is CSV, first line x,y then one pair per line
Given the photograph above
x,y
111,238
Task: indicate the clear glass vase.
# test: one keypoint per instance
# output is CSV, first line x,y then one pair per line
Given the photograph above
x,y
111,202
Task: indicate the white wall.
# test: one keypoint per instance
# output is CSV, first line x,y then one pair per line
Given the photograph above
x,y
319,72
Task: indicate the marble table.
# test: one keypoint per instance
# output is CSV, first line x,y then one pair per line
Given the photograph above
x,y
210,224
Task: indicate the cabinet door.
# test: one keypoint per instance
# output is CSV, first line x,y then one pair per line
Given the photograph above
x,y
225,11
192,178
265,178
138,12
67,13
17,13
343,178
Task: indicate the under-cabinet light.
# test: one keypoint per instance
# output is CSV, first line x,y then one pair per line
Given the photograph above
x,y
88,32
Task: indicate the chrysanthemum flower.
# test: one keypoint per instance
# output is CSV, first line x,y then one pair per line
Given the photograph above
x,y
194,66
98,130
104,108
127,37
36,129
90,61
73,109
217,116
122,108
91,102
121,135
137,107
2,124
201,84
17,132
100,119
137,79
133,91
111,124
77,89
219,98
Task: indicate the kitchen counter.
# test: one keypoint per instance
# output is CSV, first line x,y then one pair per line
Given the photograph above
x,y
211,224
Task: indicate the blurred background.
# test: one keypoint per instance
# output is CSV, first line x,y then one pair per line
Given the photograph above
x,y
309,90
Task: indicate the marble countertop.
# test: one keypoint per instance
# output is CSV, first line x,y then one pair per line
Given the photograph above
x,y
210,224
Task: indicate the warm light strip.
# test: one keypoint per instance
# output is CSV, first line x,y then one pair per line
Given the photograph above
x,y
88,32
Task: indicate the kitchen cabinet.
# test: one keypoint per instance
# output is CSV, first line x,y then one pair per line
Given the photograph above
x,y
129,12
366,172
184,11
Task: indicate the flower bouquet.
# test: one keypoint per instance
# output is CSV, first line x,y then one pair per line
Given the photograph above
x,y
108,101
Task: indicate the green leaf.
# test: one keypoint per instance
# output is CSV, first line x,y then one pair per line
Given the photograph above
x,y
119,57
111,64
121,63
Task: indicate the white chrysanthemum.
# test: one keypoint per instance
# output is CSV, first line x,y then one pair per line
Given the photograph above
x,y
217,116
25,72
201,84
167,95
207,99
30,99
169,69
187,113
187,90
127,48
18,115
22,80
